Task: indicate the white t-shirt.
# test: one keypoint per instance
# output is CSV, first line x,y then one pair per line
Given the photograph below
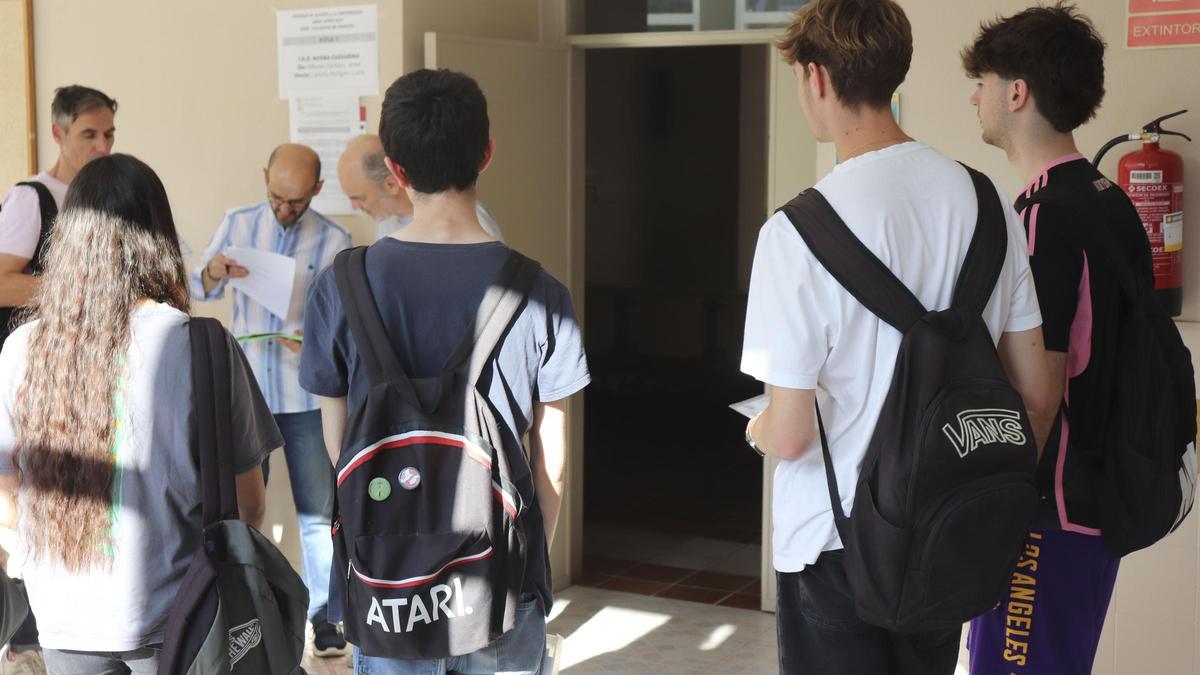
x,y
156,526
915,209
21,217
392,223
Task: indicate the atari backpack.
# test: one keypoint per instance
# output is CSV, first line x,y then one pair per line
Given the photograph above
x,y
429,543
946,491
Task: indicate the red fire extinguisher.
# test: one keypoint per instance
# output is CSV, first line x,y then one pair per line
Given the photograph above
x,y
1153,179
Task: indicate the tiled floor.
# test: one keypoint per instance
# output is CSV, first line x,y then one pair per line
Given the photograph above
x,y
665,581
610,632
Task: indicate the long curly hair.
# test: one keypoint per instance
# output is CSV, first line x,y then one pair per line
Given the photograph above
x,y
113,246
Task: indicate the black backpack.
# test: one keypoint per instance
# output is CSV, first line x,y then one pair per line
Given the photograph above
x,y
241,609
429,543
1144,473
946,491
49,210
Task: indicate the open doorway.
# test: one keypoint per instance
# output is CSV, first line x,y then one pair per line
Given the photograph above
x,y
675,193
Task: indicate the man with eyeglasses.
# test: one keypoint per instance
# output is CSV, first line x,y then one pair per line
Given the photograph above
x,y
284,224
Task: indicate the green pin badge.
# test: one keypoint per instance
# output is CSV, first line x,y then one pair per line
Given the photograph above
x,y
379,489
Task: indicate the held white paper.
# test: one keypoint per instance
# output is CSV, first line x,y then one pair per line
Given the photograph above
x,y
752,406
326,48
270,280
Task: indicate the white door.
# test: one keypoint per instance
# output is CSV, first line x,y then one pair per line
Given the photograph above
x,y
527,189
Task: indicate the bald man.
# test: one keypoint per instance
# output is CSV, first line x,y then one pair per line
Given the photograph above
x,y
372,189
285,224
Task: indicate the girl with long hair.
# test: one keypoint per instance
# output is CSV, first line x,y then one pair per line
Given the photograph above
x,y
95,406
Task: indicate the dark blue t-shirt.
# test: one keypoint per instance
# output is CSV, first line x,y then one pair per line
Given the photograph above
x,y
427,295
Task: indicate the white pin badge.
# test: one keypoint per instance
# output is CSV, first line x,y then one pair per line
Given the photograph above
x,y
409,478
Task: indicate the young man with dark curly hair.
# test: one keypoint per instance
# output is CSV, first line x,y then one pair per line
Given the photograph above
x,y
1040,76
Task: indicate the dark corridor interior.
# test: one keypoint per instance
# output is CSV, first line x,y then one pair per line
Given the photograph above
x,y
670,483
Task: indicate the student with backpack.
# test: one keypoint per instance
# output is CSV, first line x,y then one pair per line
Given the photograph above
x,y
95,427
434,351
1117,471
898,286
83,127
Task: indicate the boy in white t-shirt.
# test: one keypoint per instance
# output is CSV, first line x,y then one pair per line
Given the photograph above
x,y
915,210
83,127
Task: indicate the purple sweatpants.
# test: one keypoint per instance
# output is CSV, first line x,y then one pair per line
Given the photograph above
x,y
1050,619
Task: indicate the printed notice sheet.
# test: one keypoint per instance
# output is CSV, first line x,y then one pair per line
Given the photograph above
x,y
326,122
327,48
270,280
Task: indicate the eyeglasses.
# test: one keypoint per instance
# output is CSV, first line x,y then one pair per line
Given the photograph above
x,y
293,204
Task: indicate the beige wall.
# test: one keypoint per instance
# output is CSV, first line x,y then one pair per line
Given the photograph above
x,y
196,85
14,160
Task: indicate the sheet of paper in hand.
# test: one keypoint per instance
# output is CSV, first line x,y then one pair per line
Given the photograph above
x,y
270,280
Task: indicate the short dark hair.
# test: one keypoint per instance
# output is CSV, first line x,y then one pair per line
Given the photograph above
x,y
434,124
866,45
1056,50
72,101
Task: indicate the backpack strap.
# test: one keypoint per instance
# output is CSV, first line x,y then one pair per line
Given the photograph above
x,y
1098,242
366,326
212,431
850,262
49,211
985,256
499,307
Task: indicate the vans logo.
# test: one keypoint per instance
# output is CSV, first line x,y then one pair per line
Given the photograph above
x,y
403,614
984,427
243,638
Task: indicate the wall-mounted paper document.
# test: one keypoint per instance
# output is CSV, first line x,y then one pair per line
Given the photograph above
x,y
270,280
327,48
326,122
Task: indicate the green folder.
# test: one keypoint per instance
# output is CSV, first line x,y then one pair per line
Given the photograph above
x,y
267,336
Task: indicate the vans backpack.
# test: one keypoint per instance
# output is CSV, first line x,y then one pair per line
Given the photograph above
x,y
49,211
241,608
429,543
946,491
1144,474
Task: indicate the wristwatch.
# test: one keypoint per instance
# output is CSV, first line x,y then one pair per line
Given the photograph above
x,y
753,446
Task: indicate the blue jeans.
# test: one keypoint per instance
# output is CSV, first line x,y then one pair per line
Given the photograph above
x,y
311,475
520,651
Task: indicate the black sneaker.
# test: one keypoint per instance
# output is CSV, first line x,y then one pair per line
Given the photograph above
x,y
328,640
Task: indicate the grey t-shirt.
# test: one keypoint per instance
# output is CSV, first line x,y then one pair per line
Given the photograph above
x,y
157,524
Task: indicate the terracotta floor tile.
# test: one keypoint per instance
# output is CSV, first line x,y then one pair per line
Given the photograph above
x,y
707,596
591,579
640,586
719,581
657,572
743,601
593,565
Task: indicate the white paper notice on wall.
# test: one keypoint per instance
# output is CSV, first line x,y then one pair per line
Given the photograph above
x,y
328,48
326,122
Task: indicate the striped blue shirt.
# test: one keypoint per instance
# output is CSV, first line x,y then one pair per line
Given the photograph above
x,y
312,242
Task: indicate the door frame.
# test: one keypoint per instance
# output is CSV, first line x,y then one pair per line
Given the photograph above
x,y
576,161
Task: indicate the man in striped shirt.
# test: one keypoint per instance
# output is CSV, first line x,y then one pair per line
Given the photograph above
x,y
284,224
